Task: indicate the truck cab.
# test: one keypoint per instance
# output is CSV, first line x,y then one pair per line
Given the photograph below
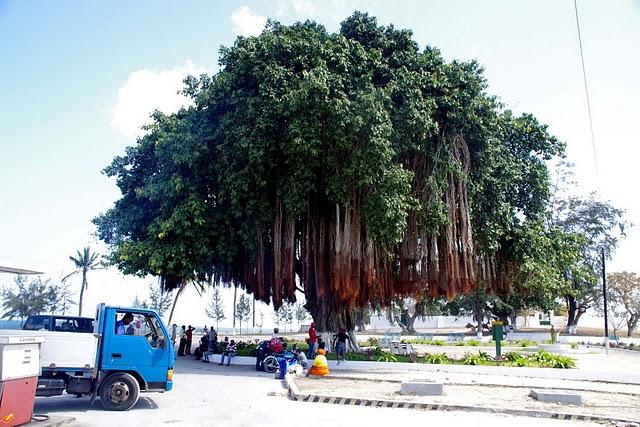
x,y
144,349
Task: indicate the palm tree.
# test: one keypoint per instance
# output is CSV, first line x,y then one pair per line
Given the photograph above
x,y
198,286
84,262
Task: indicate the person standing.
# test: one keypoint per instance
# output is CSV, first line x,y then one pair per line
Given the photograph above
x,y
183,341
261,353
210,351
213,340
340,344
213,335
189,333
174,333
313,341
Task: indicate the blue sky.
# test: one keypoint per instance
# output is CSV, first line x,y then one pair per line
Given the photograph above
x,y
78,77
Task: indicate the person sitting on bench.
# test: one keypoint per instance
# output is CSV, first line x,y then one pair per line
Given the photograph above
x,y
229,353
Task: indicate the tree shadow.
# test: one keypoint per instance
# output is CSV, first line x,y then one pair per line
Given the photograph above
x,y
67,403
196,367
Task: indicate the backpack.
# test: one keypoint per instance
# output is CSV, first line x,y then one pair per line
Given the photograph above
x,y
275,345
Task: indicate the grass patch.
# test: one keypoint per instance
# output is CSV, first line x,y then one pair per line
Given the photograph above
x,y
480,358
436,359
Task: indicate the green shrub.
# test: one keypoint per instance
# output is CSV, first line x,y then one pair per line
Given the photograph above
x,y
574,345
517,360
561,362
437,342
387,357
472,343
549,360
481,358
436,359
527,343
373,342
512,356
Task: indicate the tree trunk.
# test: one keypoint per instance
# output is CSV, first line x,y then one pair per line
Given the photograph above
x,y
514,321
84,285
478,306
359,316
580,312
175,301
411,322
572,307
631,325
328,320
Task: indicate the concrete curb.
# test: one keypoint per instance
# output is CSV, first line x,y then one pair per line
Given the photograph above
x,y
495,385
296,395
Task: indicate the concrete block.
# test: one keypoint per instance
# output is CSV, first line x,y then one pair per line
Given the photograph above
x,y
421,388
557,396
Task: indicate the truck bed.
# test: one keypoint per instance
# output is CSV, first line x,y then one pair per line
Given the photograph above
x,y
76,351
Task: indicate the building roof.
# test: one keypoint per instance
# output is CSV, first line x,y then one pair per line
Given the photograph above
x,y
17,270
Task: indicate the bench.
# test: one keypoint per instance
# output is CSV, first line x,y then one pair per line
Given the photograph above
x,y
386,340
399,348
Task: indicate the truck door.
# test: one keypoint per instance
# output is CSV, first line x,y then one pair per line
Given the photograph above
x,y
134,341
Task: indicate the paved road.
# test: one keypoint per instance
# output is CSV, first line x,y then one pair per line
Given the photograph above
x,y
239,396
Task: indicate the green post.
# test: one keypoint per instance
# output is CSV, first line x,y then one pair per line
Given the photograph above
x,y
498,333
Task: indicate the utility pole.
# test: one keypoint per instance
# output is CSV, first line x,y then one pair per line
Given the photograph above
x,y
606,314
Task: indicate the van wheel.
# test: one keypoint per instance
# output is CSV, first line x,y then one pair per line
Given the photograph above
x,y
119,392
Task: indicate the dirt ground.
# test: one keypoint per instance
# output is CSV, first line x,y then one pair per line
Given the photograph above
x,y
598,398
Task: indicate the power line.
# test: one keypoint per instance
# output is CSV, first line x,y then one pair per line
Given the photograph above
x,y
586,88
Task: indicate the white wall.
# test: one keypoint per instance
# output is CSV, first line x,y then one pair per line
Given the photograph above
x,y
435,322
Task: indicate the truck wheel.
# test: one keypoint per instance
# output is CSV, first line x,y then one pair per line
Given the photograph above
x,y
119,392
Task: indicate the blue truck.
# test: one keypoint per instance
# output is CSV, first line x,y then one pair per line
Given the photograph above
x,y
129,352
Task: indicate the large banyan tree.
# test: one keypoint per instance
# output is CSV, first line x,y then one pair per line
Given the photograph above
x,y
353,166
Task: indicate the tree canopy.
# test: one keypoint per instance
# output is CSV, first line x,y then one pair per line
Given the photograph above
x,y
31,296
353,165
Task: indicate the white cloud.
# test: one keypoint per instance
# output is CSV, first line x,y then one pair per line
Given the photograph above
x,y
247,23
148,90
327,11
303,7
281,7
